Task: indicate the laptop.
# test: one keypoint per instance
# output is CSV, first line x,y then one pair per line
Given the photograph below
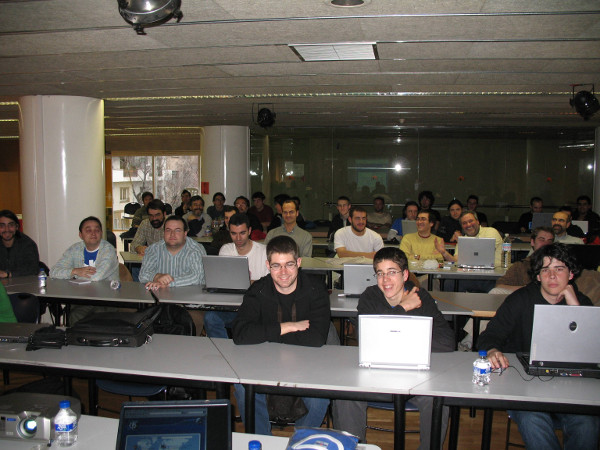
x,y
226,274
563,342
18,333
394,342
583,224
358,277
476,253
541,220
409,226
182,424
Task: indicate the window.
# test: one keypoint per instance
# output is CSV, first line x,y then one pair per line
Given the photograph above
x,y
124,194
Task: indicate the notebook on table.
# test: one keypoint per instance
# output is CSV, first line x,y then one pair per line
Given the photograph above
x,y
358,277
183,424
564,342
18,333
476,253
394,342
226,274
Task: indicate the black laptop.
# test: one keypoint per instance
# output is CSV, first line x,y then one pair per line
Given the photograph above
x,y
183,424
564,342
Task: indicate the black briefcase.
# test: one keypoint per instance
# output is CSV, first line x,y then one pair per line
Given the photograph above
x,y
114,329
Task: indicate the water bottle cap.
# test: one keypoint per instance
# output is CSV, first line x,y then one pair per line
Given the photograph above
x,y
483,353
254,445
65,404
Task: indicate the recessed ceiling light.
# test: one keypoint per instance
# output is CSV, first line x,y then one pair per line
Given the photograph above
x,y
342,51
348,3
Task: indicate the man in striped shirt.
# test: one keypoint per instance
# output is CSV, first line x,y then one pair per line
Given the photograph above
x,y
174,261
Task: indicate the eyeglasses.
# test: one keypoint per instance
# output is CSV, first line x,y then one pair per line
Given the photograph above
x,y
288,265
389,273
8,225
555,270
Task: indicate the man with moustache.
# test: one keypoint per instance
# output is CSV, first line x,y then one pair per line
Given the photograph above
x,y
151,229
561,220
18,252
357,239
198,221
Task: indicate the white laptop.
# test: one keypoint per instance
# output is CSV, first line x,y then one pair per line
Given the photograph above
x,y
226,274
358,277
583,224
476,253
564,341
394,342
409,226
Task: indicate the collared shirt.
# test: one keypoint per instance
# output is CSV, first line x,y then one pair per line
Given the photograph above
x,y
185,266
146,235
107,264
303,238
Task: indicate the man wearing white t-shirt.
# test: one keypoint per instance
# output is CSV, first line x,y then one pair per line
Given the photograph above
x,y
216,323
357,239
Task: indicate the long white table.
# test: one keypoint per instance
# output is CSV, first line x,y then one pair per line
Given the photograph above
x,y
328,371
506,391
455,273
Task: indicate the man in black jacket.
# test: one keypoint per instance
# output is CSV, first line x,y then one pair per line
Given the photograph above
x,y
395,295
288,307
553,270
18,252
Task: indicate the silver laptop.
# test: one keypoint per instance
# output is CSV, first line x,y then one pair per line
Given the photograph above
x,y
226,274
541,220
409,226
358,277
18,332
476,253
394,342
583,224
563,341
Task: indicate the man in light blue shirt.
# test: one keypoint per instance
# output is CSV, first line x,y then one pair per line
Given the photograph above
x,y
174,261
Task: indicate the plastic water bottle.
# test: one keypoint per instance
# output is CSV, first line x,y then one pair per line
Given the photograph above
x,y
482,369
254,445
506,249
65,425
42,278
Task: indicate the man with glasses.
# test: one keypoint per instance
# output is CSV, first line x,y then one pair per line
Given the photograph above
x,y
395,295
287,307
553,270
174,261
289,212
357,239
422,244
18,252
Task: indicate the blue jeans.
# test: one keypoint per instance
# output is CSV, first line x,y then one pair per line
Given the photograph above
x,y
537,430
216,323
317,407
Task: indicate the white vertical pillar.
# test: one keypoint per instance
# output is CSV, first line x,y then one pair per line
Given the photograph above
x,y
226,162
62,169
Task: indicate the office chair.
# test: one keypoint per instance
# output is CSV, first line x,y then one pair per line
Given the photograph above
x,y
131,208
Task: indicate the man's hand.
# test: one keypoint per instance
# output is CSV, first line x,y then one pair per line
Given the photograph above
x,y
292,327
141,250
497,359
569,295
84,272
160,280
411,300
455,236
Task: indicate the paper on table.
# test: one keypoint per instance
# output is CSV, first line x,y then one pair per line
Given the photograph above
x,y
80,281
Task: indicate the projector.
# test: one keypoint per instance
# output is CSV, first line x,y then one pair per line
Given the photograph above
x,y
31,416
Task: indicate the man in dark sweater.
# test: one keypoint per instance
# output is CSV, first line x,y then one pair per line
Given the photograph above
x,y
288,307
394,294
553,270
18,252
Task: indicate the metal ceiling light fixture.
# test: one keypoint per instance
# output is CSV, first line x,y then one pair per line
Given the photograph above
x,y
265,118
148,13
584,102
348,3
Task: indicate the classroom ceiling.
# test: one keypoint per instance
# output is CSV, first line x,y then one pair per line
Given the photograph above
x,y
441,64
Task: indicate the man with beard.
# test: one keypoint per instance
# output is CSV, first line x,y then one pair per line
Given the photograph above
x,y
174,261
18,252
151,229
561,220
198,221
378,219
357,239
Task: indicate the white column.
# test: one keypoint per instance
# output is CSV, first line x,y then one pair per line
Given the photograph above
x,y
62,169
226,161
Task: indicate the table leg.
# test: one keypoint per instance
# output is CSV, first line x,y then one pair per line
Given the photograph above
x,y
436,422
488,418
250,408
430,282
454,424
456,327
476,323
399,421
92,397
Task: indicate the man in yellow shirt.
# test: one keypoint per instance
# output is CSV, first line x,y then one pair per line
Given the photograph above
x,y
422,245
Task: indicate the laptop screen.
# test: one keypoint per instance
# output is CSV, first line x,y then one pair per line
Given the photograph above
x,y
226,273
195,424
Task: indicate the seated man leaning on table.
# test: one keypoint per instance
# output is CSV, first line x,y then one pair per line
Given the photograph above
x,y
217,322
395,295
287,307
92,259
553,270
357,239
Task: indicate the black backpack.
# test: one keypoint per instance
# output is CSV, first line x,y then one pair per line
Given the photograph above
x,y
174,319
